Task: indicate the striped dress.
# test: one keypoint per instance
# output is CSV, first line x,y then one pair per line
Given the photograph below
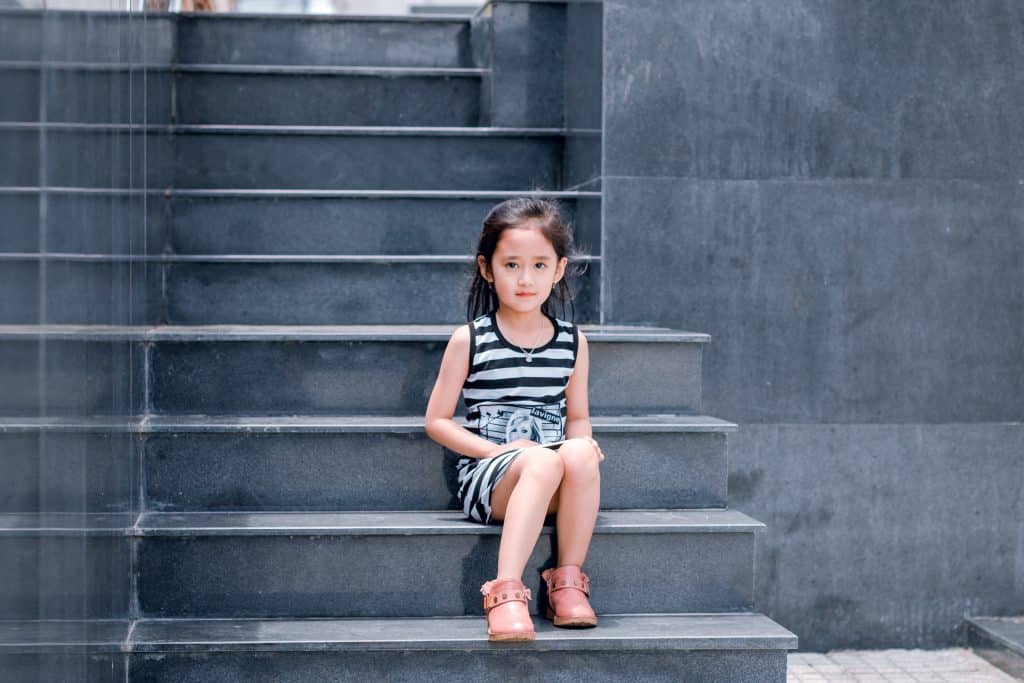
x,y
508,398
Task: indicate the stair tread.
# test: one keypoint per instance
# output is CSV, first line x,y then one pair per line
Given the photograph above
x,y
302,193
434,522
682,631
331,423
352,523
268,69
411,332
1007,631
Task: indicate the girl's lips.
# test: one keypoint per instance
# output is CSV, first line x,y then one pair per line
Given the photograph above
x,y
524,294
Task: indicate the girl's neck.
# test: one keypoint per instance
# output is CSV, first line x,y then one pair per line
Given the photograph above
x,y
521,324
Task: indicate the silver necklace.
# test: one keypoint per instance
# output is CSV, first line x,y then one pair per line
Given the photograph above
x,y
528,354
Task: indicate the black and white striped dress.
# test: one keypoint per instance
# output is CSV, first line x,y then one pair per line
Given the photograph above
x,y
508,398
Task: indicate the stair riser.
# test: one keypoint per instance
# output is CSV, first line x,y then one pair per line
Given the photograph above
x,y
136,96
81,223
330,294
278,225
327,100
113,37
110,293
367,162
247,294
428,575
316,41
998,654
75,378
403,471
53,666
367,378
113,224
85,158
73,576
67,472
501,665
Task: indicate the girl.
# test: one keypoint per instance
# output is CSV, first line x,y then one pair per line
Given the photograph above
x,y
515,363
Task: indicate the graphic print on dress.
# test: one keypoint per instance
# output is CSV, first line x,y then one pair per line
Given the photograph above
x,y
506,422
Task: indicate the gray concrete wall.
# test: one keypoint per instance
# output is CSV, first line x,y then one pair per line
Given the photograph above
x,y
832,190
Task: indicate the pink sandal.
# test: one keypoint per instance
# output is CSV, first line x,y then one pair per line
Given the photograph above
x,y
508,615
568,588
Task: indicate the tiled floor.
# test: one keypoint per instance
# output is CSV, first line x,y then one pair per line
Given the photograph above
x,y
957,665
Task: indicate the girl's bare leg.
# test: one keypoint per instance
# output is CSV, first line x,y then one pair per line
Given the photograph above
x,y
522,499
578,499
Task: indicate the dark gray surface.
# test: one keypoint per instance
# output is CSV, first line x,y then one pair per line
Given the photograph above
x,y
66,471
75,36
498,666
85,155
329,564
390,378
407,160
331,294
936,506
246,468
86,94
96,222
326,40
283,224
81,292
72,575
831,301
527,61
831,190
856,90
389,99
998,640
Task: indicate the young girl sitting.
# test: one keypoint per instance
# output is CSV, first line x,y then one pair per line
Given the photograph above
x,y
522,371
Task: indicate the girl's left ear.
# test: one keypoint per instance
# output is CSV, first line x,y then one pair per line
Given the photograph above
x,y
562,263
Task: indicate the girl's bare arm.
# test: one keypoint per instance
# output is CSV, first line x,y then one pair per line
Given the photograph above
x,y
577,403
445,397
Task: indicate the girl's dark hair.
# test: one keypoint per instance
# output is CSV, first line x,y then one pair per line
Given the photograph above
x,y
545,214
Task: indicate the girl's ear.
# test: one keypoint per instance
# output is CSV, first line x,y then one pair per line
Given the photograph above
x,y
481,264
560,271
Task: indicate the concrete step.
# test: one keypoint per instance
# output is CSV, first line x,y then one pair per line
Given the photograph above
x,y
367,158
324,40
999,640
388,463
283,157
80,289
87,36
87,155
85,93
390,369
86,289
741,647
65,565
197,463
309,370
234,564
68,465
357,291
352,96
71,370
266,222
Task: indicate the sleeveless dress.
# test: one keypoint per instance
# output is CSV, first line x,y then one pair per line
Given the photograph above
x,y
508,398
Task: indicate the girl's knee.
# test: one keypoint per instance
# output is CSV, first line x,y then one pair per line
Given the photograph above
x,y
579,456
543,462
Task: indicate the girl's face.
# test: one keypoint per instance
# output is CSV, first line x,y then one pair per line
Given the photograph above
x,y
525,268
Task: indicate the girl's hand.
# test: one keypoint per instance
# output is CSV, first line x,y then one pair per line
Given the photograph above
x,y
600,455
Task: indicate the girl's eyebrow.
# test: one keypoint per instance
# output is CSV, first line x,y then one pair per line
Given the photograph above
x,y
538,258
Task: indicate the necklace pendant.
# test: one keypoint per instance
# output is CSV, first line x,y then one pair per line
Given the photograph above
x,y
529,358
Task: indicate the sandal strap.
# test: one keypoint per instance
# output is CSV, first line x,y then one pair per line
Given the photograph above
x,y
582,582
492,600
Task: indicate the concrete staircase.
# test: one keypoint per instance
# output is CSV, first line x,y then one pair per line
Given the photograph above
x,y
294,522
